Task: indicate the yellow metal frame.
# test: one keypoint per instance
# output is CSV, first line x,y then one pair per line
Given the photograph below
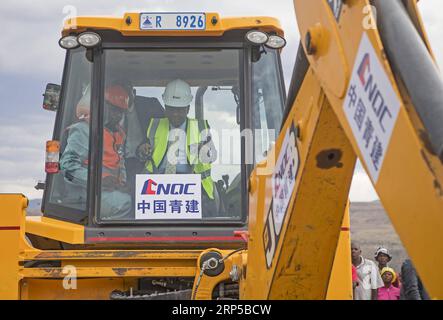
x,y
80,24
409,183
340,283
306,250
55,229
97,272
318,218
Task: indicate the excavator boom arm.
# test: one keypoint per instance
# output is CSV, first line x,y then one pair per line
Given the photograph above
x,y
366,86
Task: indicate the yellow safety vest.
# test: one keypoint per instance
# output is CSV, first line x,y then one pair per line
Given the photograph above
x,y
158,133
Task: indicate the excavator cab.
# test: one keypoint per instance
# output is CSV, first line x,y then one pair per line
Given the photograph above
x,y
172,165
132,212
113,104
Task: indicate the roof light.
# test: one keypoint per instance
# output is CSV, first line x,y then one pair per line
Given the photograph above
x,y
256,37
69,42
275,42
89,39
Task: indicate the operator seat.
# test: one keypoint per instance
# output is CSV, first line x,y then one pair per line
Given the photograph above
x,y
146,109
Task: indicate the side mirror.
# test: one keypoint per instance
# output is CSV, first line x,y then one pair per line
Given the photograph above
x,y
51,97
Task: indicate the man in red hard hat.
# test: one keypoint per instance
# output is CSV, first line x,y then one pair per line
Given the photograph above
x,y
113,171
115,201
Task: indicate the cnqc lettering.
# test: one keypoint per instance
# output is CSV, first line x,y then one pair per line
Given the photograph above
x,y
151,187
375,96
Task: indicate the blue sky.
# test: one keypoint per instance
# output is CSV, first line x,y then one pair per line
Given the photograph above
x,y
30,57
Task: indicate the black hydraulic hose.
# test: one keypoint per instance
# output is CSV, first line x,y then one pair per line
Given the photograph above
x,y
411,60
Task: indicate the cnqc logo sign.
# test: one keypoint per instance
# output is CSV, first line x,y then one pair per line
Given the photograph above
x,y
167,197
152,187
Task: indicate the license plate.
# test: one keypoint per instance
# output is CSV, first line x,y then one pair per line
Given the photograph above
x,y
172,21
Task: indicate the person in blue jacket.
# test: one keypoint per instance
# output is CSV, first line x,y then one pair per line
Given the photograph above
x,y
116,202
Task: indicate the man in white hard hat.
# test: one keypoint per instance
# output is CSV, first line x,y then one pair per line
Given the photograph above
x,y
178,144
383,257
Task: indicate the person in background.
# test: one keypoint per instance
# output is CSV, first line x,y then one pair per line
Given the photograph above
x,y
388,291
369,279
354,279
383,257
412,288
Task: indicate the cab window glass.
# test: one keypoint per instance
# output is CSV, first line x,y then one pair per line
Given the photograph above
x,y
166,116
267,102
69,186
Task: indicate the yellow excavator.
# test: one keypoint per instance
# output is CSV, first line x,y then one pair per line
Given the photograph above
x,y
265,214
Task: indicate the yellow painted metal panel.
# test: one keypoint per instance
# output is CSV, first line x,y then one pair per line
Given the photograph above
x,y
329,59
12,214
86,289
411,178
88,272
340,283
304,253
80,24
55,229
313,226
88,255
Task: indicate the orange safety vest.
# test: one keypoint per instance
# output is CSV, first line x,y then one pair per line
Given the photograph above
x,y
113,161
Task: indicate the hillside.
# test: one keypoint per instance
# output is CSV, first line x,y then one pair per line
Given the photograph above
x,y
372,228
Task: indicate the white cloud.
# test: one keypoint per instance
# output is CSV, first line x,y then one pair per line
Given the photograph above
x,y
23,186
22,150
34,29
433,21
361,188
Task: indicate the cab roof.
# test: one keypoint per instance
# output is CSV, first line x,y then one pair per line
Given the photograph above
x,y
129,25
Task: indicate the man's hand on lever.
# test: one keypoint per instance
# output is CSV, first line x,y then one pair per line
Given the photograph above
x,y
144,152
